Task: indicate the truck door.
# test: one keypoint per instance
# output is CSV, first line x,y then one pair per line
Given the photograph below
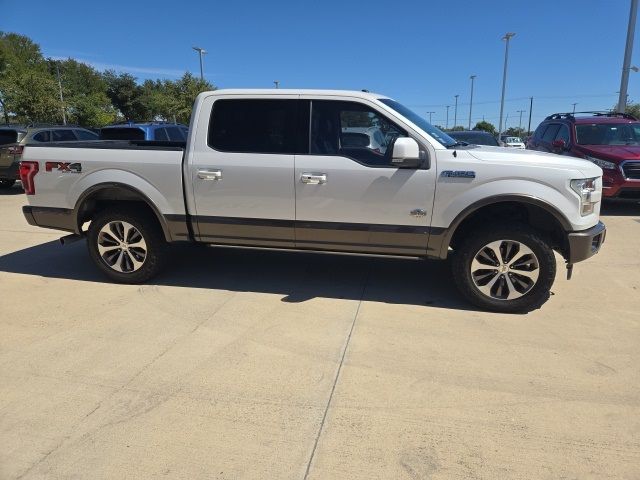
x,y
349,196
242,170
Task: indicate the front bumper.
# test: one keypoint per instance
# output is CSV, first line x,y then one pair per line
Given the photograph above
x,y
586,243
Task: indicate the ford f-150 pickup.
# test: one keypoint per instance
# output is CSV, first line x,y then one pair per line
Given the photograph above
x,y
323,170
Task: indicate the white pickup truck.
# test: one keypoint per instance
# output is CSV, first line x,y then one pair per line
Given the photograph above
x,y
323,170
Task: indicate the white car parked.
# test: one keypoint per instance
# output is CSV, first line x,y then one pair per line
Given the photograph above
x,y
271,168
515,142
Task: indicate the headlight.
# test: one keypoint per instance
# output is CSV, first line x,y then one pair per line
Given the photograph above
x,y
584,187
605,165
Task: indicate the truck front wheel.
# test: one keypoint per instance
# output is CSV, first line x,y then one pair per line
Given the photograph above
x,y
507,269
127,246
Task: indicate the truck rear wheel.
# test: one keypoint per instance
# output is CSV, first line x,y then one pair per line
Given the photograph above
x,y
128,247
504,269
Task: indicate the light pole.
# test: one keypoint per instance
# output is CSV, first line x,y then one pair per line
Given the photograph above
x,y
530,110
64,114
276,83
626,66
508,36
446,125
201,52
574,107
472,77
455,112
430,113
520,123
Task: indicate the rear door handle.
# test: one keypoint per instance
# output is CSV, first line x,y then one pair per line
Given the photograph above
x,y
313,178
210,174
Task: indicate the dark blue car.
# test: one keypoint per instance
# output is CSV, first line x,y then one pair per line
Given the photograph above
x,y
157,131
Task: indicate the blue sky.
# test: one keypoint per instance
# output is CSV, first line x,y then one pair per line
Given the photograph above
x,y
419,52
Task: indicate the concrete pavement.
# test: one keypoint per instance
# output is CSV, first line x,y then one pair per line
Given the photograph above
x,y
255,365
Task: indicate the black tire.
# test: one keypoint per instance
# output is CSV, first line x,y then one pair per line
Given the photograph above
x,y
534,295
7,182
155,246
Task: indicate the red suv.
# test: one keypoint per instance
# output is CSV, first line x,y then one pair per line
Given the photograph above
x,y
610,140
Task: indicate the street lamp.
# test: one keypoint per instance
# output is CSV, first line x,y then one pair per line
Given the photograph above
x,y
455,112
276,83
472,77
430,113
628,50
508,36
446,125
201,52
574,107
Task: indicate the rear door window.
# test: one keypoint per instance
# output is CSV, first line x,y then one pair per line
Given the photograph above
x,y
44,136
253,126
62,135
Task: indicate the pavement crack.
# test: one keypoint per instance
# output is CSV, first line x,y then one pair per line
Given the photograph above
x,y
337,377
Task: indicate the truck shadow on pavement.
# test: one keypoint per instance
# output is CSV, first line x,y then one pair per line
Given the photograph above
x,y
620,208
297,276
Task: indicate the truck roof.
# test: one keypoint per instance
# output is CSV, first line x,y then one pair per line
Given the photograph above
x,y
296,91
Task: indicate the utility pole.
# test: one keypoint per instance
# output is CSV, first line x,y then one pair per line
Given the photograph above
x,y
472,77
520,123
276,83
446,126
626,66
201,52
430,113
530,110
64,114
574,107
455,112
508,36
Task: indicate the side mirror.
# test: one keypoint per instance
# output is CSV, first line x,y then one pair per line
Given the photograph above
x,y
559,144
405,153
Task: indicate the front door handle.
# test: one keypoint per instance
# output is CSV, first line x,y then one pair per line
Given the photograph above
x,y
210,174
313,178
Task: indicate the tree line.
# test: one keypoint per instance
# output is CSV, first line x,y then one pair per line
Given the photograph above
x,y
30,86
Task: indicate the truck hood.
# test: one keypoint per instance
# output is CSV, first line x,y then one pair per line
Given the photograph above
x,y
612,152
513,156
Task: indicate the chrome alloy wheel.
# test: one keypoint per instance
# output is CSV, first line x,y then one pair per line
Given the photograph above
x,y
505,269
122,247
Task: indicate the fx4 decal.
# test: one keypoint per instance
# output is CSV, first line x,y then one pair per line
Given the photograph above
x,y
458,174
63,167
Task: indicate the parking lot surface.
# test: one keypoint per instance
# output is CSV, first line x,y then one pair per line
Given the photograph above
x,y
276,365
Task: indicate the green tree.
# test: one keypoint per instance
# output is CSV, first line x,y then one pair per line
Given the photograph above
x,y
485,127
85,93
126,96
457,128
514,132
28,91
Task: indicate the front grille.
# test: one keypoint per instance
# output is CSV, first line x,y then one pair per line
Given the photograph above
x,y
631,170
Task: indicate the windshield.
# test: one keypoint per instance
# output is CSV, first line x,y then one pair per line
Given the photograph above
x,y
513,140
436,133
608,134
